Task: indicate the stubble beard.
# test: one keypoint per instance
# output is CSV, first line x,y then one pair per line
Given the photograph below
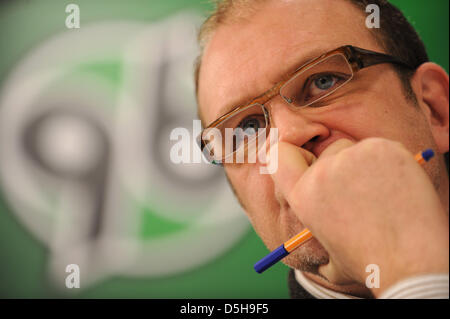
x,y
307,257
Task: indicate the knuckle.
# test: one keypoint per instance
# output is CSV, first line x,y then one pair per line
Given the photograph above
x,y
375,144
379,148
321,171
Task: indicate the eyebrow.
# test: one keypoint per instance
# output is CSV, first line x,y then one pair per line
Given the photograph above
x,y
282,76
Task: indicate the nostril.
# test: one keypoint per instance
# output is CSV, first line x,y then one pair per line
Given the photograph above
x,y
309,145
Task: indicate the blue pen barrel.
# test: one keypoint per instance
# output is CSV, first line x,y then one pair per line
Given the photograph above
x,y
272,258
427,154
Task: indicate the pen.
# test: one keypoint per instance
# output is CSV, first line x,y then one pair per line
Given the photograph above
x,y
305,235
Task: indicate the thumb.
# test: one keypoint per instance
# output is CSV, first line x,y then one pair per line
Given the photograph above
x,y
293,161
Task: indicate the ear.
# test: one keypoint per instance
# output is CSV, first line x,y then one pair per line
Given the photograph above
x,y
431,82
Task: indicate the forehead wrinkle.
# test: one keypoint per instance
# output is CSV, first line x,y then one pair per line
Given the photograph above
x,y
231,47
282,74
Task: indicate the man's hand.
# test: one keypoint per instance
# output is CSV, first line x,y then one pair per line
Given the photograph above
x,y
367,203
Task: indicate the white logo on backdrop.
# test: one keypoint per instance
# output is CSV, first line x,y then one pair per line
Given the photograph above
x,y
83,158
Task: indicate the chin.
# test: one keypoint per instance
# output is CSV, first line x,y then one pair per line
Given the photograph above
x,y
308,257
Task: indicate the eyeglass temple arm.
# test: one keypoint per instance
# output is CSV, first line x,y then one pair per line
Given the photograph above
x,y
365,58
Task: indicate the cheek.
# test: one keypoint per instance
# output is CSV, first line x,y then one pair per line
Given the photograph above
x,y
256,194
384,109
372,114
255,190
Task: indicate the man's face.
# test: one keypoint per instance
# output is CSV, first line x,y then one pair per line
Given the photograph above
x,y
247,57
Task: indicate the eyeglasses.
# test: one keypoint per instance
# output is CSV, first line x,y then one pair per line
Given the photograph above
x,y
312,82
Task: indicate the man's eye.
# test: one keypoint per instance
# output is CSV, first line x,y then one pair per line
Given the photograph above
x,y
247,129
324,82
320,84
250,125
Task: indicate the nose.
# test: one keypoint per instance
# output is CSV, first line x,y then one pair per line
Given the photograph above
x,y
294,126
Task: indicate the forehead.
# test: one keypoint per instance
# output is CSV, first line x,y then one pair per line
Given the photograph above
x,y
247,56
